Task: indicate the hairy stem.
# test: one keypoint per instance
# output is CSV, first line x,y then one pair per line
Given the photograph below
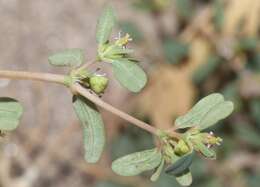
x,y
76,89
46,77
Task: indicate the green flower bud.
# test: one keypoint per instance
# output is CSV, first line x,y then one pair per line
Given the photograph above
x,y
181,148
98,83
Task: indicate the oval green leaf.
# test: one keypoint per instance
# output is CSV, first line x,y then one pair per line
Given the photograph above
x,y
68,57
219,112
93,128
200,115
129,74
105,25
136,163
181,165
184,179
10,113
158,171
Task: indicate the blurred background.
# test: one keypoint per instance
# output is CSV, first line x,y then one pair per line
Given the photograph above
x,y
189,48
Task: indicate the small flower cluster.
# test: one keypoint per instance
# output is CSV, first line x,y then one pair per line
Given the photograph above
x,y
117,50
193,139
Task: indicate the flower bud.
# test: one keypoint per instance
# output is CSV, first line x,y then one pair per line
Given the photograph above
x,y
181,148
98,83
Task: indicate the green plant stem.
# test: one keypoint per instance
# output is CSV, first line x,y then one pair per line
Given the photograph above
x,y
172,132
46,77
77,89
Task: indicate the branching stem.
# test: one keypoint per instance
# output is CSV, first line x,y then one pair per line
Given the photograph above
x,y
77,88
82,91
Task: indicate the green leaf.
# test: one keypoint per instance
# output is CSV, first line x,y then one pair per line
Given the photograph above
x,y
181,165
206,112
105,25
93,128
132,141
231,92
69,57
10,113
136,163
158,171
194,116
129,74
219,112
184,179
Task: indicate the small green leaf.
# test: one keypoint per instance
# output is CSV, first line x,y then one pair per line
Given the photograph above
x,y
105,25
93,128
184,179
181,165
10,113
136,163
129,74
158,171
219,112
68,57
206,112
